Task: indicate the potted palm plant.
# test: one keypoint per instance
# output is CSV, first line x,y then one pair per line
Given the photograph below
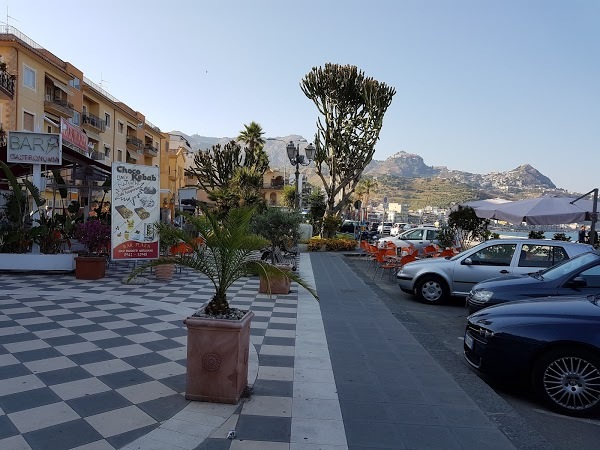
x,y
166,240
218,338
281,228
95,236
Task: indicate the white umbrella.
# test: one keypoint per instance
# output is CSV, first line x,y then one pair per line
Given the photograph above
x,y
539,211
487,203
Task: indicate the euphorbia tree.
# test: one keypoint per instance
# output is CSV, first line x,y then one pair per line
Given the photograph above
x,y
352,106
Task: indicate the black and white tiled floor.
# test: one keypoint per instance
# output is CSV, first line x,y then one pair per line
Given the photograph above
x,y
101,365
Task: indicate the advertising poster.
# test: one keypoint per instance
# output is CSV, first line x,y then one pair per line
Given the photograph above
x,y
135,208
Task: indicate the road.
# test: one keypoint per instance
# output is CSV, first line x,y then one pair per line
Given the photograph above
x,y
440,329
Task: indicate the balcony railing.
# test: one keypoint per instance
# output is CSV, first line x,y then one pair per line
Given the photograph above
x,y
273,185
59,105
94,122
7,85
150,150
135,143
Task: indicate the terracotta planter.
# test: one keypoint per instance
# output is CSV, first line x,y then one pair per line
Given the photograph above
x,y
279,285
217,358
164,272
90,267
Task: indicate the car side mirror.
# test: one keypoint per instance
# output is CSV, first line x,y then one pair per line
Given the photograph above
x,y
578,282
468,262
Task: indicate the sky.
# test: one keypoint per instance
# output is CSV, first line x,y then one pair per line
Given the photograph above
x,y
481,86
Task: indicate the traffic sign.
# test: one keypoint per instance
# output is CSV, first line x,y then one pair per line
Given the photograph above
x,y
385,202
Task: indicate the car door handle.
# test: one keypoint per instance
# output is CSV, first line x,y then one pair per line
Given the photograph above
x,y
504,271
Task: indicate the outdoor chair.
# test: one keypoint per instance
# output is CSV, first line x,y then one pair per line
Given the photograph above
x,y
384,264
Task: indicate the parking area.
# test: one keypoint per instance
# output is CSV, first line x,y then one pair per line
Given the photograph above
x,y
440,328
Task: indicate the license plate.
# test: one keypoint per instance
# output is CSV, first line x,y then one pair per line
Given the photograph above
x,y
469,341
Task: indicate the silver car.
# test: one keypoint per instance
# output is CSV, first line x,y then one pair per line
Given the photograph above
x,y
418,238
433,280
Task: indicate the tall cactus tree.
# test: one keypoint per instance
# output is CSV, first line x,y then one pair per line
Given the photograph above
x,y
352,106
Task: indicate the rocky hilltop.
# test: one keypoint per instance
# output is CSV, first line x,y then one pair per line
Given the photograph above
x,y
404,177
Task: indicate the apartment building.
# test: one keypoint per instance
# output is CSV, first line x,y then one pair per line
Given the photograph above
x,y
39,92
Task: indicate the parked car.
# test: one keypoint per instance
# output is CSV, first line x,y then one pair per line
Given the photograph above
x,y
553,345
435,279
348,226
398,228
577,276
419,237
384,228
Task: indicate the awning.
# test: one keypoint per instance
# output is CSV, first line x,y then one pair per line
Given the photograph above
x,y
133,154
59,84
52,122
92,135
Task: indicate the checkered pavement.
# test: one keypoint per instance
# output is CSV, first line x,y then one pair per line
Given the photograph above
x,y
100,363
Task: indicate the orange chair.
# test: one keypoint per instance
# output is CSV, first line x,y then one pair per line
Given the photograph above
x,y
445,253
430,250
384,264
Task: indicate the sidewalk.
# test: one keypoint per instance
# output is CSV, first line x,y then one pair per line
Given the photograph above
x,y
101,365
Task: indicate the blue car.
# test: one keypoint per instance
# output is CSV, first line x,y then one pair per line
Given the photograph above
x,y
577,276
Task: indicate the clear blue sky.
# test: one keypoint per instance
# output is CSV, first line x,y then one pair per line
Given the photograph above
x,y
481,85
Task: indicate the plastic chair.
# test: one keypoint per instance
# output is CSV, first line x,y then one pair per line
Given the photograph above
x,y
384,264
430,250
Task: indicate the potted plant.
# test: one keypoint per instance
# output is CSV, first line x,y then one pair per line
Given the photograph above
x,y
166,240
218,339
281,228
95,236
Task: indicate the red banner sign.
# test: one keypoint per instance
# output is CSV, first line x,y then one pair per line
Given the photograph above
x,y
73,135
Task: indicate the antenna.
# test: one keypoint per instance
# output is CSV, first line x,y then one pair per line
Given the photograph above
x,y
102,81
8,17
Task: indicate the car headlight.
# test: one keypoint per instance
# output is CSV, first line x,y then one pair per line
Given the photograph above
x,y
482,295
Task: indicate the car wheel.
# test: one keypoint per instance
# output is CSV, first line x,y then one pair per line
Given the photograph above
x,y
431,289
568,380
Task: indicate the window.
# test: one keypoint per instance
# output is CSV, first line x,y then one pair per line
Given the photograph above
x,y
120,127
494,255
84,110
76,120
107,119
29,77
592,276
119,155
541,255
48,129
28,121
75,83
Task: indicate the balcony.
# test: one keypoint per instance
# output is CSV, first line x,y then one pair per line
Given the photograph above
x,y
135,144
273,185
150,150
92,122
59,106
7,85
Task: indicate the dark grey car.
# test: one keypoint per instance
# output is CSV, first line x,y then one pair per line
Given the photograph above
x,y
577,276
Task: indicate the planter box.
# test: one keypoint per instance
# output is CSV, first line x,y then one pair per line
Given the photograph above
x,y
217,358
63,262
90,268
278,285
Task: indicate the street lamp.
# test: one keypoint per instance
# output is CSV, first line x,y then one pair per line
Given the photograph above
x,y
296,159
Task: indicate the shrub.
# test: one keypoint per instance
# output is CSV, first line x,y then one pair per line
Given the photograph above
x,y
561,237
331,244
94,234
535,234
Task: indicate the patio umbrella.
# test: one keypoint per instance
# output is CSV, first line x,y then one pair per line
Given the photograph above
x,y
539,211
487,203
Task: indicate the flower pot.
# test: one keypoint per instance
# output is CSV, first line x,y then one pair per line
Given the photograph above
x,y
278,285
164,272
217,358
90,267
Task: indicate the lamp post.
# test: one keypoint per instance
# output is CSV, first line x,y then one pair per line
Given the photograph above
x,y
296,159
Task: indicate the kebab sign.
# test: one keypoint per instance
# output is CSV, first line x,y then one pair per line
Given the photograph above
x,y
135,209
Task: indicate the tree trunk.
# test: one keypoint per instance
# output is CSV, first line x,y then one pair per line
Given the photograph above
x,y
217,306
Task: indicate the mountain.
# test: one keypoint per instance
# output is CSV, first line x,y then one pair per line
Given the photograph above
x,y
405,178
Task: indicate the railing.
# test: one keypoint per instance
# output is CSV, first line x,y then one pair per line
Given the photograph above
x,y
7,82
94,121
135,142
97,156
150,150
273,185
63,105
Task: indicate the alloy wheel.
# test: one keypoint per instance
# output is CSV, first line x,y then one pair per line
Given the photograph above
x,y
572,383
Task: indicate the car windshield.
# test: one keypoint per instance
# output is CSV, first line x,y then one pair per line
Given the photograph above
x,y
568,266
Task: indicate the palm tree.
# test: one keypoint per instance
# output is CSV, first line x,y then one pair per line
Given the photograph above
x,y
229,252
365,187
251,135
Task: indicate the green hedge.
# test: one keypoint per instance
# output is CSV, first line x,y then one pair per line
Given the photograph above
x,y
331,245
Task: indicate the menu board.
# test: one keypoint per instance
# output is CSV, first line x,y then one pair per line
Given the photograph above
x,y
134,210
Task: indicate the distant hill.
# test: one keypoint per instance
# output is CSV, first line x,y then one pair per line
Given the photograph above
x,y
405,178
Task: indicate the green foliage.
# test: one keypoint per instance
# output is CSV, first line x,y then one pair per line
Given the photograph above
x,y
467,226
536,234
48,234
352,106
229,253
561,237
94,234
289,196
316,202
446,236
281,228
331,223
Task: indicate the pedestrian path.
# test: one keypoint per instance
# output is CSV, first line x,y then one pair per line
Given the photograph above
x,y
101,365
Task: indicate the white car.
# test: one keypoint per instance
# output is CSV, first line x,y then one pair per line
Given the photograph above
x,y
398,228
433,280
419,238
